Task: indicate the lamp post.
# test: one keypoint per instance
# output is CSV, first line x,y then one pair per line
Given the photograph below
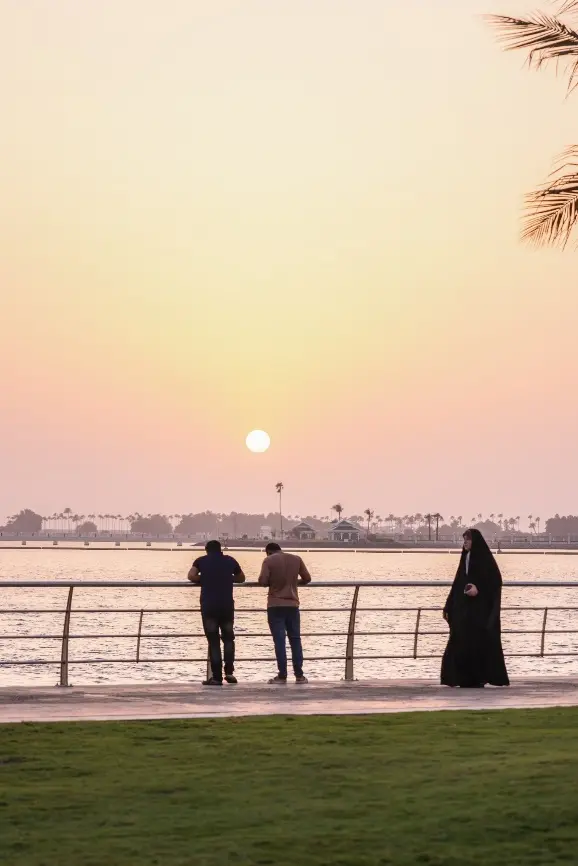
x,y
279,488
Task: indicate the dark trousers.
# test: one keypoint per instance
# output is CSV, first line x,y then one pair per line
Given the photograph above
x,y
218,625
286,621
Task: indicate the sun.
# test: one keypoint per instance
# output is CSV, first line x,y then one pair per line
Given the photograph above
x,y
258,441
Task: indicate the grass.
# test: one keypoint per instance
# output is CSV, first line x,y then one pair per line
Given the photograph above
x,y
443,789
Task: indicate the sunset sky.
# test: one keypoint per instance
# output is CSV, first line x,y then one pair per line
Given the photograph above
x,y
297,215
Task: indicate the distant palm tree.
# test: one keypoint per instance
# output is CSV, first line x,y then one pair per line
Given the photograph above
x,y
279,488
428,520
369,514
338,510
67,514
552,209
437,517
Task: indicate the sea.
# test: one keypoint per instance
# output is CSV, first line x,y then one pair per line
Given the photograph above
x,y
106,621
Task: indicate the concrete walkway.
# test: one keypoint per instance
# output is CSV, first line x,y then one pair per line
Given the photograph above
x,y
183,701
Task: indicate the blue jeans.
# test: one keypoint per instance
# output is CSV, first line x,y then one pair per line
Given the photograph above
x,y
286,621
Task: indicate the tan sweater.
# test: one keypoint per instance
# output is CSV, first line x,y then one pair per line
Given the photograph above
x,y
281,572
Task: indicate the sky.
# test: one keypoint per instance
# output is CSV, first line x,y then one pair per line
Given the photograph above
x,y
295,215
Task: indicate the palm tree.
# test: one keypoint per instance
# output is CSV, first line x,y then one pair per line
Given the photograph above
x,y
428,518
552,209
369,514
67,514
279,488
437,517
338,510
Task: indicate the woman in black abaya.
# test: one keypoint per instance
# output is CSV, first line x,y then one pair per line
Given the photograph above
x,y
474,655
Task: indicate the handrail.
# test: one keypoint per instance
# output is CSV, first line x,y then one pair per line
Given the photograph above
x,y
352,607
251,584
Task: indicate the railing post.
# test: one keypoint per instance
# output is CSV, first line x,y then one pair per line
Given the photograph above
x,y
138,637
416,633
65,638
351,637
543,632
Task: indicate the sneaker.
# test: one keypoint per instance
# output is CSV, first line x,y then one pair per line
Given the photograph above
x,y
278,680
301,679
231,679
212,682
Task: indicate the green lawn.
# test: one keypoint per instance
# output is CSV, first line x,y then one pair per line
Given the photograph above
x,y
444,788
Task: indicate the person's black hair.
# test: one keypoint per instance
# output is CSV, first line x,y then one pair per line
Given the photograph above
x,y
213,547
272,547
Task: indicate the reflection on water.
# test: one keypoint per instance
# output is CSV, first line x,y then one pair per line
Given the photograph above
x,y
102,612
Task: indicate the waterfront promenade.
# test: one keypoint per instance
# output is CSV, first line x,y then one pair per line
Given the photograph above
x,y
190,701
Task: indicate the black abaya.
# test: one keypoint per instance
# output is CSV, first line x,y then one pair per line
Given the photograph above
x,y
474,655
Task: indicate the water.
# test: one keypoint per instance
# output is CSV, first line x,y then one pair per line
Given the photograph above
x,y
324,631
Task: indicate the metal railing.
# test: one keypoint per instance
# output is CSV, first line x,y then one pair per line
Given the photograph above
x,y
347,657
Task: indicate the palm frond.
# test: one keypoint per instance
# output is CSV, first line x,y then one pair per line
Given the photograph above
x,y
566,7
552,210
545,37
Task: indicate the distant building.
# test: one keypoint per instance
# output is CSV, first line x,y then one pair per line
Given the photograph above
x,y
266,533
345,530
303,532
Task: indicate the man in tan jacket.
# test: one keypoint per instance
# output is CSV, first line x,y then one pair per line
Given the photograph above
x,y
282,573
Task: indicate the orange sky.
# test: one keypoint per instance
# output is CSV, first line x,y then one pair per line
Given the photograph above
x,y
299,215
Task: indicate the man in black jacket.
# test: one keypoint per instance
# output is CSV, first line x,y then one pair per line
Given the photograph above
x,y
216,573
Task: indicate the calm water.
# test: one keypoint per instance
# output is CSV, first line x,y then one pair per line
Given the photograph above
x,y
323,630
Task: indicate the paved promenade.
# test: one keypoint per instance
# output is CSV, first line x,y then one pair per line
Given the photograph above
x,y
189,701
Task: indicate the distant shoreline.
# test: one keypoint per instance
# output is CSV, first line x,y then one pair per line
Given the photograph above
x,y
125,542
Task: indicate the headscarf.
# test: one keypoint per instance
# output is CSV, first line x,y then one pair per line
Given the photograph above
x,y
482,556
